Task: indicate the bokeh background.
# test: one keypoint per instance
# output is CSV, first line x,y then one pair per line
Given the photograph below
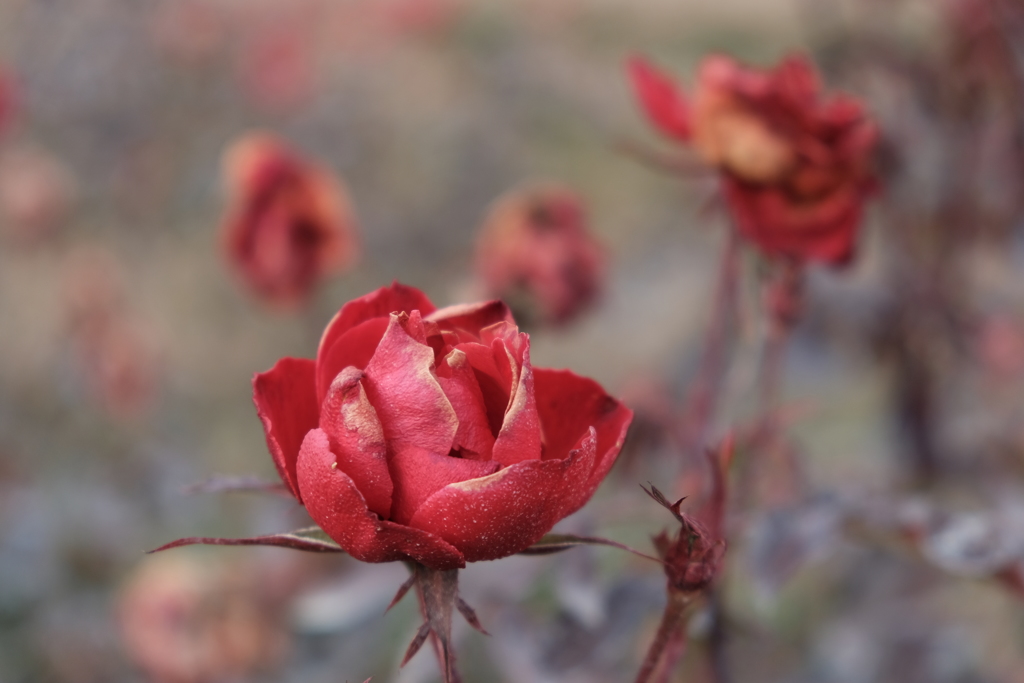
x,y
903,387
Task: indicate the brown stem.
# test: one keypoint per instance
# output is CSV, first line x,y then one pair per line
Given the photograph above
x,y
438,590
703,400
784,299
669,634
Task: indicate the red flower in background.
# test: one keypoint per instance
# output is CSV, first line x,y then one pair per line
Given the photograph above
x,y
536,251
426,434
795,168
289,223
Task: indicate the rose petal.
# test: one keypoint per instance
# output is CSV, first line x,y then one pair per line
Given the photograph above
x,y
353,348
457,379
418,474
508,511
494,387
661,99
401,385
520,435
569,405
471,318
334,503
378,304
285,398
357,439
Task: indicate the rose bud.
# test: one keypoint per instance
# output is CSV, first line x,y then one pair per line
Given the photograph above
x,y
693,556
535,250
795,167
289,223
426,434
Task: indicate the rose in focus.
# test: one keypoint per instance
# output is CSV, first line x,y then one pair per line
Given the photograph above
x,y
536,251
425,434
289,222
795,167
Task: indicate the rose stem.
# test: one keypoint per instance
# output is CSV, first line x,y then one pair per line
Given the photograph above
x,y
784,294
703,399
669,633
437,590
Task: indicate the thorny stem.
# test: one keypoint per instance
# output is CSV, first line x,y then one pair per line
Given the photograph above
x,y
704,397
437,590
784,300
669,635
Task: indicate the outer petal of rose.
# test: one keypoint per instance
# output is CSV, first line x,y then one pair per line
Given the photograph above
x,y
418,474
337,506
357,439
471,317
508,511
457,379
378,304
568,405
402,387
660,98
353,348
285,398
520,435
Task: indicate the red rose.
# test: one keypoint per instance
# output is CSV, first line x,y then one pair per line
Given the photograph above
x,y
289,223
535,249
795,168
426,434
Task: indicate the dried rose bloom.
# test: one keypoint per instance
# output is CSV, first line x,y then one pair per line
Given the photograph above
x,y
535,251
184,619
795,167
289,222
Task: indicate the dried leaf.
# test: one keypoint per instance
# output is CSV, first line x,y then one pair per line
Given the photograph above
x,y
556,543
311,539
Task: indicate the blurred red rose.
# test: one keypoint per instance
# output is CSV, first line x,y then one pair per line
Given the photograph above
x,y
289,223
426,434
536,252
795,168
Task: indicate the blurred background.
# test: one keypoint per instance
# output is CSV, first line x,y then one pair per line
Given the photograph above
x,y
892,552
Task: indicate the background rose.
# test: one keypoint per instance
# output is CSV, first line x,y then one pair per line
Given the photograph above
x,y
289,223
795,168
426,434
535,245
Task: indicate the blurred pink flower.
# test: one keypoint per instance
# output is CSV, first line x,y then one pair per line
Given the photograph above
x,y
535,250
188,619
115,355
289,222
189,31
36,193
276,68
